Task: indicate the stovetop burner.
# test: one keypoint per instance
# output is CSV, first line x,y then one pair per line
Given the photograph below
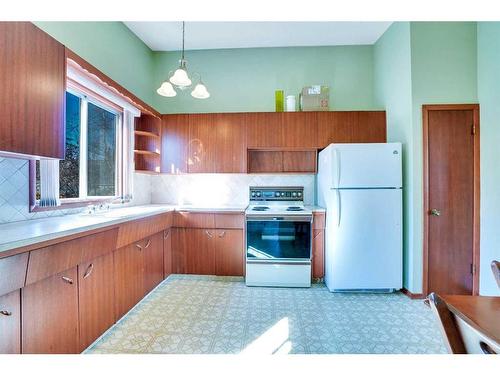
x,y
295,208
260,208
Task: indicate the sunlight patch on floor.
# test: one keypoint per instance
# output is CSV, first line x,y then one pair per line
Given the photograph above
x,y
274,341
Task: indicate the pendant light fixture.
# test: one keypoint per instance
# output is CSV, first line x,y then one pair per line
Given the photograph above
x,y
180,79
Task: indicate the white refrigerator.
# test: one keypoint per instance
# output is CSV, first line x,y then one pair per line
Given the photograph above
x,y
360,185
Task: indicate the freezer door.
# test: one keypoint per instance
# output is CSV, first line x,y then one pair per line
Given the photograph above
x,y
364,239
366,165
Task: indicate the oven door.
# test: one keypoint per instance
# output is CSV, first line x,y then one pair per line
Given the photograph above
x,y
281,238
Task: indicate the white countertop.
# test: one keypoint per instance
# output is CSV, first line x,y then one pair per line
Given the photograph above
x,y
28,232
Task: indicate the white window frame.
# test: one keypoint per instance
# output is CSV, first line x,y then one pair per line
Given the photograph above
x,y
85,99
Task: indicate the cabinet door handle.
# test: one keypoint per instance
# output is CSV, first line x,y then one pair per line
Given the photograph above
x,y
166,234
67,279
5,312
208,234
89,270
222,234
147,244
138,246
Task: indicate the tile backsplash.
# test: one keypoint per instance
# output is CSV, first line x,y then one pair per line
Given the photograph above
x,y
221,189
197,189
14,192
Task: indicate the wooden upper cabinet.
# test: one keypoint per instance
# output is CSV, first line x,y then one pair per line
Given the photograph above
x,y
202,141
32,98
10,323
96,293
300,129
351,127
50,315
264,129
371,127
231,145
174,144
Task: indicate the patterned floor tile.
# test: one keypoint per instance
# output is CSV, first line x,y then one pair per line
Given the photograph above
x,y
190,314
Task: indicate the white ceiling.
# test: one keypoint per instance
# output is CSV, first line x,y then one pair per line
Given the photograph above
x,y
167,36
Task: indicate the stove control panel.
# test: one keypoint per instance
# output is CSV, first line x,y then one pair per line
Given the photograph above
x,y
258,193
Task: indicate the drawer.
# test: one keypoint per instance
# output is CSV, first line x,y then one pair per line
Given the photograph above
x,y
133,231
184,219
13,272
230,221
53,259
318,220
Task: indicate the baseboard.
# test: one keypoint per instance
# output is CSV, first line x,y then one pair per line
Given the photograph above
x,y
413,295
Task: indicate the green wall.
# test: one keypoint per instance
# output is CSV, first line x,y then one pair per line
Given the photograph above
x,y
392,67
443,70
488,80
245,79
112,48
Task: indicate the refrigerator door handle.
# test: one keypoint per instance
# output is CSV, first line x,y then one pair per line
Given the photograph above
x,y
336,176
339,207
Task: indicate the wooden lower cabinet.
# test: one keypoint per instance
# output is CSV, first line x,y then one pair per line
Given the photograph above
x,y
129,277
153,262
96,298
50,315
10,323
318,253
229,252
200,251
167,252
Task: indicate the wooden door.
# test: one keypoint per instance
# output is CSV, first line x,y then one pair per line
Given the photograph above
x,y
451,180
300,129
32,98
129,277
10,323
202,140
200,251
153,262
318,253
167,253
50,315
229,252
264,129
231,145
96,298
174,144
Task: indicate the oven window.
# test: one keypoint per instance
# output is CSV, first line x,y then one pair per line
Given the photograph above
x,y
272,240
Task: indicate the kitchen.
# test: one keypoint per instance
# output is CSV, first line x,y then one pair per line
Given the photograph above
x,y
218,204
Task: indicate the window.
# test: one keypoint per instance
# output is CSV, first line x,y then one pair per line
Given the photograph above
x,y
89,169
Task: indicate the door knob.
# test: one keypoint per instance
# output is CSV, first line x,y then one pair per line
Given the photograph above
x,y
435,212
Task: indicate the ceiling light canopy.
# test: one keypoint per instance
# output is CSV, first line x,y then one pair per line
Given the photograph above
x,y
181,81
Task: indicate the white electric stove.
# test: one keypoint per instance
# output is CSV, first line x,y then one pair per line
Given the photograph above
x,y
278,238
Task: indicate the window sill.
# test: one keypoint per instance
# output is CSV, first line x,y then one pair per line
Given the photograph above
x,y
72,203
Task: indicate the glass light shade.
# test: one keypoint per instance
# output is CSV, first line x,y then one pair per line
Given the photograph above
x,y
200,92
180,78
166,89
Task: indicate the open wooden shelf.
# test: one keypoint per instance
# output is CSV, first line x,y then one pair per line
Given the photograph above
x,y
146,152
146,134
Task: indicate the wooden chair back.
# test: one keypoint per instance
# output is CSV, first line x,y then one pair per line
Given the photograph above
x,y
448,327
495,267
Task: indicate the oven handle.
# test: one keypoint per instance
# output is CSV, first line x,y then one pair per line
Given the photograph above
x,y
288,262
305,219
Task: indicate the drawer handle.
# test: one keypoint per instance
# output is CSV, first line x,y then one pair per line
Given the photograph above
x,y
222,234
166,234
138,246
208,234
486,348
89,270
67,280
6,313
147,244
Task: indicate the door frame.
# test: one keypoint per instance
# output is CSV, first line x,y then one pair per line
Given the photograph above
x,y
426,108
